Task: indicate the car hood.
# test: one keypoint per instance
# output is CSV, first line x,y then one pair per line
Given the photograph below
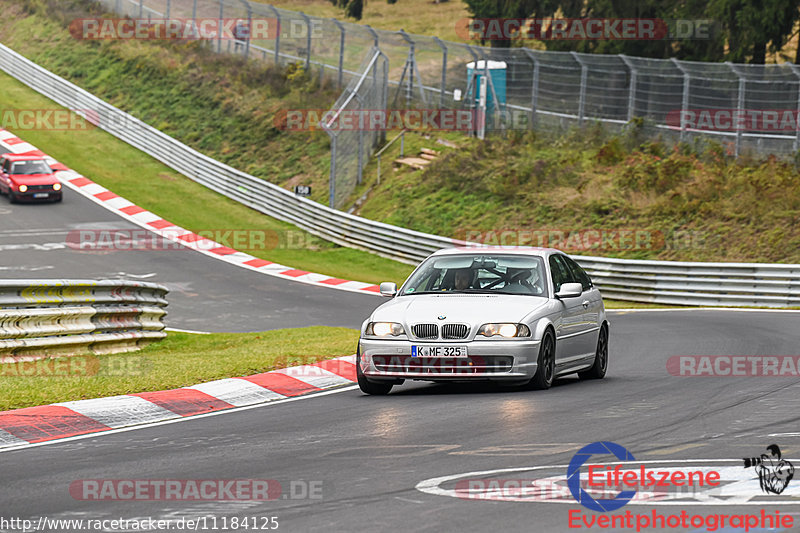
x,y
460,308
34,179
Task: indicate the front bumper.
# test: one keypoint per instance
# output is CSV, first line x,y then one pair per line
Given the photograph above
x,y
494,360
46,195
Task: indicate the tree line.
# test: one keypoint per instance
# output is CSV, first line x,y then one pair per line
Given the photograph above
x,y
741,31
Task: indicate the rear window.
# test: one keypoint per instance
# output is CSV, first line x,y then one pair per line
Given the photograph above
x,y
34,166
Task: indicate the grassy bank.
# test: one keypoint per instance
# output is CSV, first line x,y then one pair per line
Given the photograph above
x,y
146,83
556,188
178,361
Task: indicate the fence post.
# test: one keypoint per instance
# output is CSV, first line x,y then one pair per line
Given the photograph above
x,y
341,49
332,176
141,8
360,101
534,84
169,8
195,32
374,35
739,104
308,39
796,72
249,28
443,88
582,97
277,33
219,28
685,98
470,83
631,87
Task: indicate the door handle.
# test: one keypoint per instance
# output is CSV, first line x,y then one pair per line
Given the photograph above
x,y
585,304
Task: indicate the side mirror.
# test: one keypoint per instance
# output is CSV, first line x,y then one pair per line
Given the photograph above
x,y
388,288
570,290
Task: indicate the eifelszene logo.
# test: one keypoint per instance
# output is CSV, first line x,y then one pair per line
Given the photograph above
x,y
774,472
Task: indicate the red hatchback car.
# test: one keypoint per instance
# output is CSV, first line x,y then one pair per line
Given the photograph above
x,y
28,178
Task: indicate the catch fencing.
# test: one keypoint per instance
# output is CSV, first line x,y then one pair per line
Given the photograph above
x,y
649,281
543,89
49,318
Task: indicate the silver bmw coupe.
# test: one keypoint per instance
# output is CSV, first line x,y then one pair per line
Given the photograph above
x,y
523,316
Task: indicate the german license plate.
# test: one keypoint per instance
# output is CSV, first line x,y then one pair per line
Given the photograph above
x,y
41,195
438,351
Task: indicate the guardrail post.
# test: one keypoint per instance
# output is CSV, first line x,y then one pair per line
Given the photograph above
x,y
341,50
443,87
685,98
277,33
582,98
534,84
796,72
739,104
308,39
631,87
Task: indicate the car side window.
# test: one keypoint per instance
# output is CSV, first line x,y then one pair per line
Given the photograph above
x,y
578,273
561,273
6,165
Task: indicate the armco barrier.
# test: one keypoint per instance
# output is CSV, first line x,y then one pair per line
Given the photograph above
x,y
726,284
40,318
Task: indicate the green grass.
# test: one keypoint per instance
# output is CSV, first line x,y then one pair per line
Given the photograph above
x,y
695,203
150,184
180,360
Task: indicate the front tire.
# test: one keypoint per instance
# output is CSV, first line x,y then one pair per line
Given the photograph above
x,y
546,364
12,197
370,387
598,369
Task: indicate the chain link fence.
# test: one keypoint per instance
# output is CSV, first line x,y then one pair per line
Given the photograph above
x,y
350,147
540,89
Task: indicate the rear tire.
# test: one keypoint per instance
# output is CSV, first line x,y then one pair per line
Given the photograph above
x,y
598,369
370,387
546,364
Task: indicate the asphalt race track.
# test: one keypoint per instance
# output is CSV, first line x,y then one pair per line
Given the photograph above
x,y
363,457
205,294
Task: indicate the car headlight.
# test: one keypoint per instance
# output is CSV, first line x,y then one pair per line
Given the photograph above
x,y
506,330
385,329
23,188
56,186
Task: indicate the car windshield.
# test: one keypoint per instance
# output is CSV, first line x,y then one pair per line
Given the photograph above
x,y
34,166
476,273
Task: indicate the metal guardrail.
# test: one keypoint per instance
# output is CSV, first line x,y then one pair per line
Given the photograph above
x,y
643,281
41,318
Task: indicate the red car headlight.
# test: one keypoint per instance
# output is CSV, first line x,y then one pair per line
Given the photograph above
x,y
23,188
